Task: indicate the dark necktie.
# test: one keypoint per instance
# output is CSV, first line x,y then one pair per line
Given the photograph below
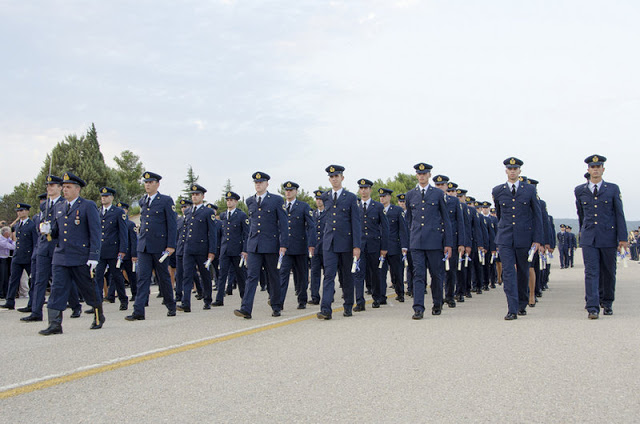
x,y
20,225
229,215
335,197
50,204
423,194
364,207
513,190
595,190
288,208
68,208
148,201
259,201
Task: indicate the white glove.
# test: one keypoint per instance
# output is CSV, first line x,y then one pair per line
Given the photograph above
x,y
92,265
45,228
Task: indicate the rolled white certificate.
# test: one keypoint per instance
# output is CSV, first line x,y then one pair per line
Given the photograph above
x,y
460,265
354,265
466,261
164,256
381,259
531,253
207,264
446,264
241,262
280,261
118,262
133,268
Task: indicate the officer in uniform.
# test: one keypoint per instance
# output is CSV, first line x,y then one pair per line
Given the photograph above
x,y
157,238
115,241
317,265
302,242
490,247
573,245
563,246
268,238
341,242
398,244
456,218
235,230
44,250
408,261
200,245
547,235
498,263
373,249
493,227
130,257
26,236
481,247
519,231
463,270
185,204
430,239
76,225
214,269
603,231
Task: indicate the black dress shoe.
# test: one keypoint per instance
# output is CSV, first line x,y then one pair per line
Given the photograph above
x,y
31,318
383,301
76,314
532,305
133,298
375,304
358,308
216,303
418,315
5,306
199,297
302,305
172,313
25,309
468,295
134,317
97,324
368,291
183,308
479,291
436,310
510,316
410,294
451,304
607,311
229,293
493,286
276,313
313,302
322,315
111,300
522,312
124,306
593,315
51,330
241,313
347,314
206,306
485,288
89,311
159,295
460,298
400,299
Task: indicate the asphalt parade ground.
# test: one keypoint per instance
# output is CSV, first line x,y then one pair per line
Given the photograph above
x,y
466,365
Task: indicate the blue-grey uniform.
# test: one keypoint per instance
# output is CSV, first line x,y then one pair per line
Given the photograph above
x,y
375,239
546,240
26,241
409,262
491,228
235,230
114,245
482,243
267,234
396,248
573,245
180,236
463,281
552,229
317,261
456,219
44,255
341,235
76,226
130,255
200,243
157,234
519,228
563,246
214,269
602,230
301,227
429,236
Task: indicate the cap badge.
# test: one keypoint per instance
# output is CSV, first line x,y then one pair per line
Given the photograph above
x,y
66,177
258,176
147,175
595,159
421,167
332,169
512,161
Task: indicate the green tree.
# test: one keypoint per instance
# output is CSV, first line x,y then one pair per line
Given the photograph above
x,y
191,179
8,202
125,178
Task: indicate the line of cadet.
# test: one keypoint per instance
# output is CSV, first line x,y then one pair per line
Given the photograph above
x,y
464,245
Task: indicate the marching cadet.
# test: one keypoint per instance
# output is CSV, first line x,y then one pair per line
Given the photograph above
x,y
563,246
76,225
214,269
519,232
456,218
373,249
603,230
114,246
481,246
200,246
490,247
320,217
430,239
341,242
302,243
409,264
547,273
156,241
491,262
26,237
398,244
185,204
235,230
498,263
573,245
463,275
130,257
44,250
268,238
547,236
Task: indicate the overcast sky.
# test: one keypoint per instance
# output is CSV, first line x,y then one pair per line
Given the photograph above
x,y
289,87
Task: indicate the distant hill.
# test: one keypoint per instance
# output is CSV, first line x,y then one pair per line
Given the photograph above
x,y
573,223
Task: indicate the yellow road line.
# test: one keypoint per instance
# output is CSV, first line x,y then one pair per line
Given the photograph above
x,y
77,375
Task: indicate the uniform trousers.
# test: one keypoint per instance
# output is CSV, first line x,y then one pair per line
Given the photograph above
x,y
127,266
300,267
451,277
115,280
599,277
64,277
335,262
393,263
14,280
369,267
515,277
229,266
41,279
255,263
147,263
317,266
189,264
423,260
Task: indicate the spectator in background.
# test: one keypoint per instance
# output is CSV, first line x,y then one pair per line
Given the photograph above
x,y
7,245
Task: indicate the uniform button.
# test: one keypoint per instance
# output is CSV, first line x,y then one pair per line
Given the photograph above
x,y
334,221
595,215
64,239
65,224
147,216
513,200
65,232
102,239
103,227
146,229
513,216
334,213
227,238
513,223
595,198
513,207
259,209
596,222
258,223
595,206
334,228
422,224
258,230
258,216
366,234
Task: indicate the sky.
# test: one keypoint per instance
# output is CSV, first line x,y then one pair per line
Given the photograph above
x,y
289,87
